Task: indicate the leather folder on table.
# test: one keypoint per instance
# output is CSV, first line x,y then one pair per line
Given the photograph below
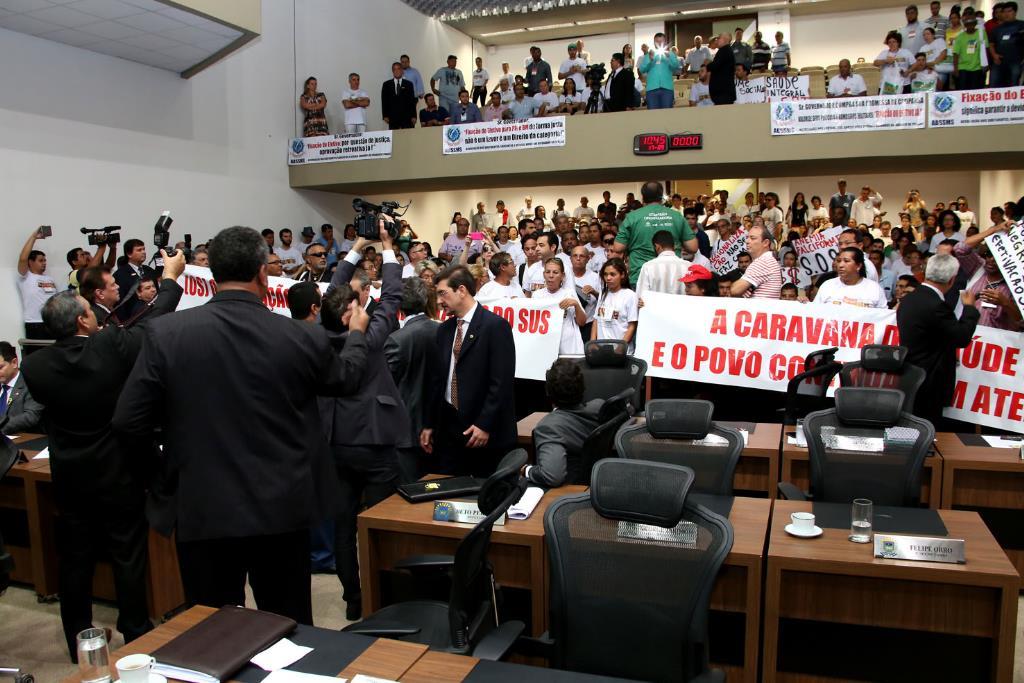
x,y
447,487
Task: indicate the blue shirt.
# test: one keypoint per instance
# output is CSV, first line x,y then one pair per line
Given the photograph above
x,y
468,114
413,75
524,109
332,252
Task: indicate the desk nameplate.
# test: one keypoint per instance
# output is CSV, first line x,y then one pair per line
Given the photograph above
x,y
460,511
920,548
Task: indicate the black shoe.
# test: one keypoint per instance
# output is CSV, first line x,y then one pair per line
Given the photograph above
x,y
354,610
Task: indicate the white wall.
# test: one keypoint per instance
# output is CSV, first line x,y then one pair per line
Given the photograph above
x,y
554,52
824,39
643,32
999,187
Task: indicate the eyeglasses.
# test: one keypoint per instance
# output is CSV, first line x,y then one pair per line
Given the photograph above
x,y
318,254
608,241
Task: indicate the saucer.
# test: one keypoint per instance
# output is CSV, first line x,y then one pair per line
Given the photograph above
x,y
153,678
815,531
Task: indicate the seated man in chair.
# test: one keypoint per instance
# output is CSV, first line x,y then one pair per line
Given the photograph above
x,y
558,438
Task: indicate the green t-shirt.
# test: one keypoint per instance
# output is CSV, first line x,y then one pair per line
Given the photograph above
x,y
968,48
639,227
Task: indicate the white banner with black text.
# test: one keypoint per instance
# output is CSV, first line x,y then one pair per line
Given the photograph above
x,y
348,147
987,107
499,136
848,114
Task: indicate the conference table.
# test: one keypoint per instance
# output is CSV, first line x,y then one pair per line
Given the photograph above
x,y
756,472
345,655
835,612
988,480
395,529
27,493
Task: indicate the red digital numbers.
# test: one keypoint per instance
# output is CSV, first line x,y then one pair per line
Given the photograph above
x,y
687,141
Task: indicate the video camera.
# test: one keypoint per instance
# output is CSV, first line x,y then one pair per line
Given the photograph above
x,y
162,236
596,73
108,235
368,216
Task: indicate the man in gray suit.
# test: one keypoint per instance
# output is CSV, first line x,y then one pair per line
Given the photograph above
x,y
21,412
409,352
558,438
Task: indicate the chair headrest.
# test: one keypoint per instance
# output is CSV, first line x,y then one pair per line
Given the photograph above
x,y
619,403
640,491
867,407
820,357
677,418
503,482
606,353
883,358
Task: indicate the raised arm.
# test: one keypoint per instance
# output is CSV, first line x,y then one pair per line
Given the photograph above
x,y
26,250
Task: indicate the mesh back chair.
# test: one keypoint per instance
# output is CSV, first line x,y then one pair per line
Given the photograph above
x,y
608,369
884,367
8,456
468,622
600,443
632,567
680,431
807,391
865,447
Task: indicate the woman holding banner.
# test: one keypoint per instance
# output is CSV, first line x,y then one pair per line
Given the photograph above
x,y
852,287
575,315
618,307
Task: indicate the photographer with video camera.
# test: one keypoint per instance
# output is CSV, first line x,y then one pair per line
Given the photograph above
x,y
97,481
79,259
365,428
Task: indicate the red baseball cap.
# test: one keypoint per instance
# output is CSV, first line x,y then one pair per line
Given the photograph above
x,y
696,272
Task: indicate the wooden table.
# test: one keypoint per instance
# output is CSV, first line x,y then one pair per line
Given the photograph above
x,y
796,469
834,597
985,479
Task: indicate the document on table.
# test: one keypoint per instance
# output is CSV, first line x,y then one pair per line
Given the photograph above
x,y
279,655
286,676
360,678
1002,441
43,454
524,508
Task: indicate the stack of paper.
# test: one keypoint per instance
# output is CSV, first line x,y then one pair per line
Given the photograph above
x,y
524,508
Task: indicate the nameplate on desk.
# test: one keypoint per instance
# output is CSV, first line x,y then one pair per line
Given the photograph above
x,y
920,548
460,511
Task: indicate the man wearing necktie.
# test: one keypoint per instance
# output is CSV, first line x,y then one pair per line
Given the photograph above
x,y
398,100
470,421
19,412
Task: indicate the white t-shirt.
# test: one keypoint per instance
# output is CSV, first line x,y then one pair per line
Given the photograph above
x,y
933,49
571,99
615,310
35,290
480,76
772,216
821,212
940,237
967,219
697,57
550,99
924,81
355,115
583,212
891,73
591,278
701,95
598,256
854,85
492,290
506,95
291,258
572,342
866,293
533,278
578,77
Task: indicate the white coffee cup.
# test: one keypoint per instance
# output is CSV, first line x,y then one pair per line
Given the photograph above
x,y
802,521
135,668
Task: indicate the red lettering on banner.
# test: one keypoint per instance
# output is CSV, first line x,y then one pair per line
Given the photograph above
x,y
778,327
959,394
981,400
1016,411
780,367
679,356
701,355
718,324
991,357
659,351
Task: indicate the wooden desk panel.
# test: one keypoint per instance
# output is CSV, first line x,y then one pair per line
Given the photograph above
x,y
387,659
829,579
439,667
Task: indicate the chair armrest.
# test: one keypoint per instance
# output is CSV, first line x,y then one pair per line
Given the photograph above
x,y
539,646
792,492
416,562
383,629
496,644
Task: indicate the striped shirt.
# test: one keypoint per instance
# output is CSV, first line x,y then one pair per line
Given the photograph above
x,y
765,274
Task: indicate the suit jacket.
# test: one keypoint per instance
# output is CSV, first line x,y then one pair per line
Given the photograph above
x,y
486,372
233,387
932,333
558,440
409,352
722,84
24,413
399,107
78,381
126,278
620,91
374,414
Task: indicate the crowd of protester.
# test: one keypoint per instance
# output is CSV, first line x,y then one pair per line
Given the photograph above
x,y
958,50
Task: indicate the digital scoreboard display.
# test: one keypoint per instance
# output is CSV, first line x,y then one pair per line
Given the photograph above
x,y
649,144
686,141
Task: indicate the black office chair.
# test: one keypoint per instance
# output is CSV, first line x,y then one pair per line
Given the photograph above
x,y
806,392
632,567
680,431
600,443
8,456
468,623
865,447
884,367
608,369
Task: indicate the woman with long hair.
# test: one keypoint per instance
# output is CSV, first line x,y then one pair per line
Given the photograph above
x,y
555,287
852,287
570,101
617,307
796,214
313,104
913,206
541,214
627,56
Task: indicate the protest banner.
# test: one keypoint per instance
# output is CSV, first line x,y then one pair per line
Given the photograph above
x,y
815,254
987,107
199,287
770,88
349,147
989,387
797,277
848,114
727,252
495,136
1008,250
750,91
537,330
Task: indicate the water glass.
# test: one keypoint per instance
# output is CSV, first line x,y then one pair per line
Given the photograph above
x,y
93,656
860,521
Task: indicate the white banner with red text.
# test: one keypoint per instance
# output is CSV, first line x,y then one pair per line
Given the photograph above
x,y
989,386
848,114
987,107
537,330
500,136
347,147
199,288
771,88
1008,250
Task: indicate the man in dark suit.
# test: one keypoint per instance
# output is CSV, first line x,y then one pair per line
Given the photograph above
x,y
100,289
410,351
722,85
233,388
132,270
398,100
621,86
470,420
98,484
19,412
932,333
364,428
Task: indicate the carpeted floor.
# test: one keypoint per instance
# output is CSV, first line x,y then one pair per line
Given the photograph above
x,y
31,637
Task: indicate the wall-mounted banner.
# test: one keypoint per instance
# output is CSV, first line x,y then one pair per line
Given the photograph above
x,y
988,107
349,147
848,114
769,88
495,136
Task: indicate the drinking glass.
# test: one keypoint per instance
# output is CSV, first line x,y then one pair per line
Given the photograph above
x,y
93,656
860,521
